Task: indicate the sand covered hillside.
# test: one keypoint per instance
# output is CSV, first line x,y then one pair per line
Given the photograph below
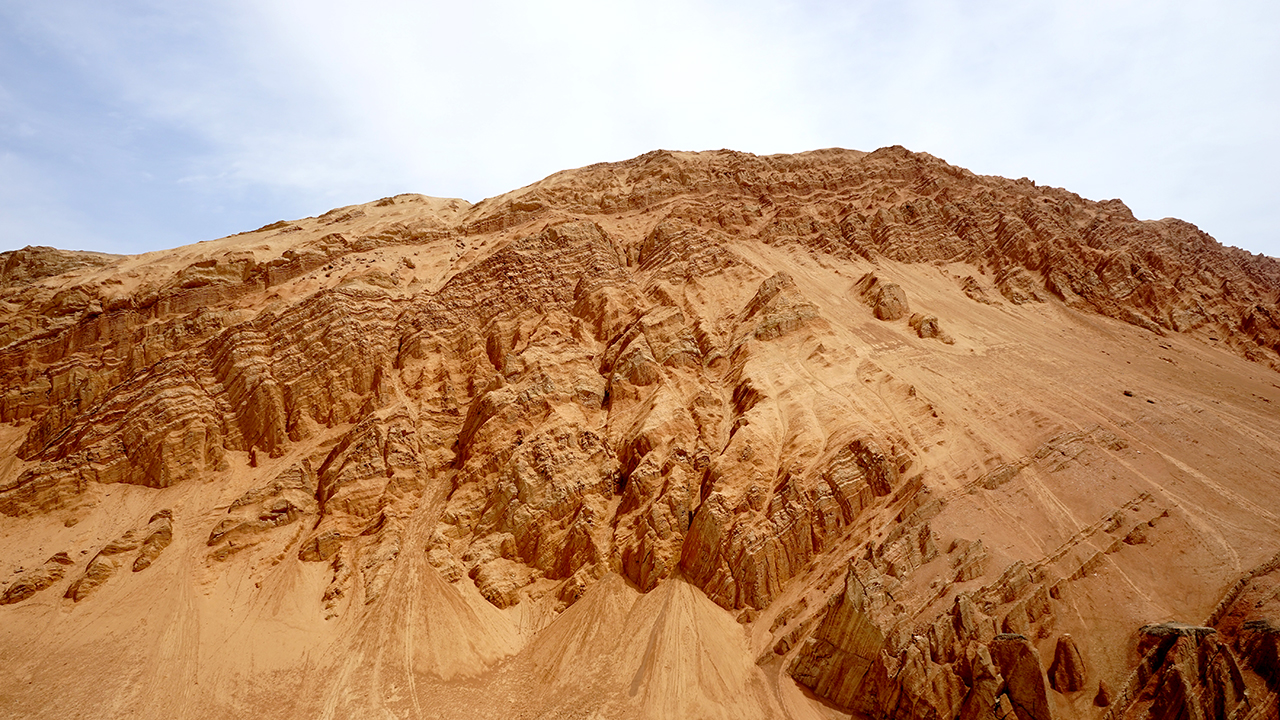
x,y
694,435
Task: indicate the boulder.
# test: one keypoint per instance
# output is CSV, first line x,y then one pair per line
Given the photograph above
x,y
891,303
887,300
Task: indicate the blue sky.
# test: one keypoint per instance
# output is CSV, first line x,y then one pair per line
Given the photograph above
x,y
138,125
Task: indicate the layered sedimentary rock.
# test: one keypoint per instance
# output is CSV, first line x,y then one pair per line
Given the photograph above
x,y
865,423
844,647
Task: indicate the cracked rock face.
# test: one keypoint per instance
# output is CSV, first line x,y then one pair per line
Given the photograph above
x,y
672,437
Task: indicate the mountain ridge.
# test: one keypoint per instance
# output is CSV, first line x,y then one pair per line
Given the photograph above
x,y
835,432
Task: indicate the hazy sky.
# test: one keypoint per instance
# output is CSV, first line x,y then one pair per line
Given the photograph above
x,y
134,125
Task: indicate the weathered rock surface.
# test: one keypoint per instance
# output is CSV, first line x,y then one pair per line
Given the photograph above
x,y
1186,671
887,300
1067,673
1024,680
927,326
290,497
148,541
706,425
1260,646
159,534
971,560
1103,697
837,658
33,581
985,683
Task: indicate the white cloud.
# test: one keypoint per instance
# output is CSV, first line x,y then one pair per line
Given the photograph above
x,y
224,115
493,94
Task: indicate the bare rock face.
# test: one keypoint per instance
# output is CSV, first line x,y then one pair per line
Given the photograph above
x,y
34,263
1067,673
1186,671
928,690
1024,678
743,554
842,650
33,581
1260,647
887,300
661,424
985,684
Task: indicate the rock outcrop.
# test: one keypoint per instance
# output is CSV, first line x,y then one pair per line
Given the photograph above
x,y
836,660
1067,673
1186,671
33,581
887,300
865,422
148,541
1024,680
159,533
1260,646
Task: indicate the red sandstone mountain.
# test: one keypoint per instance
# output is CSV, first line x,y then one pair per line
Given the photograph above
x,y
692,435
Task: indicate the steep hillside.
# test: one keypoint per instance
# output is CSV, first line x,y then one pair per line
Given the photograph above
x,y
691,435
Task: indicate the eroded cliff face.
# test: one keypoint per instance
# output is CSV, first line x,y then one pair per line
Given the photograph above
x,y
942,445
